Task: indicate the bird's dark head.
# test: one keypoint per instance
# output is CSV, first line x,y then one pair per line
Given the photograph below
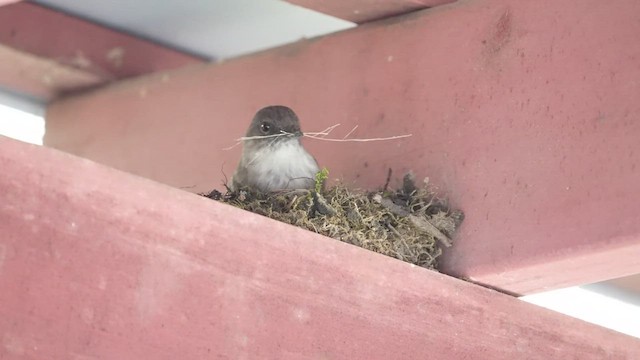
x,y
274,120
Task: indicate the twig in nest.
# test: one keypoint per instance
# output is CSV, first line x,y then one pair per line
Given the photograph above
x,y
391,206
226,180
428,227
321,206
386,183
420,222
393,229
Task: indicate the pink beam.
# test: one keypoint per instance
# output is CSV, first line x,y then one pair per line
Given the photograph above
x,y
35,33
512,116
96,263
362,11
40,77
7,2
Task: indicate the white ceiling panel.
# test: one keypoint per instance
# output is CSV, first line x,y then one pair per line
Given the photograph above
x,y
216,29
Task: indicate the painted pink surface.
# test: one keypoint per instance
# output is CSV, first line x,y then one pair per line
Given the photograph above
x,y
362,11
99,264
524,113
65,41
7,2
40,77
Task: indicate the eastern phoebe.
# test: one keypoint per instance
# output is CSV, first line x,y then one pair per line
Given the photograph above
x,y
273,158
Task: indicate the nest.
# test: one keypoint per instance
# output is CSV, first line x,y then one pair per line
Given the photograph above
x,y
410,224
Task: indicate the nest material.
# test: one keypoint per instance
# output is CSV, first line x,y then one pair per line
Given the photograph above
x,y
410,223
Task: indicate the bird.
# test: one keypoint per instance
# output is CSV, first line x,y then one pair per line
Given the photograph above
x,y
273,158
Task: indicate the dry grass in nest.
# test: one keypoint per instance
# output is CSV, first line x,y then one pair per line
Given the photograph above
x,y
410,223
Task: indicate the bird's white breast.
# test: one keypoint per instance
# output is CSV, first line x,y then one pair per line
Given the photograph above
x,y
285,165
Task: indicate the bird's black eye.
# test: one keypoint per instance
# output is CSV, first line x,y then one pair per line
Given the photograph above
x,y
265,127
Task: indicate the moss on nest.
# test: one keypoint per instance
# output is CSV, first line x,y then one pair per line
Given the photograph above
x,y
410,223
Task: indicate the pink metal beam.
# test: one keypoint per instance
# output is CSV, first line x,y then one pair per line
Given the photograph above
x,y
59,43
512,114
362,11
95,263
